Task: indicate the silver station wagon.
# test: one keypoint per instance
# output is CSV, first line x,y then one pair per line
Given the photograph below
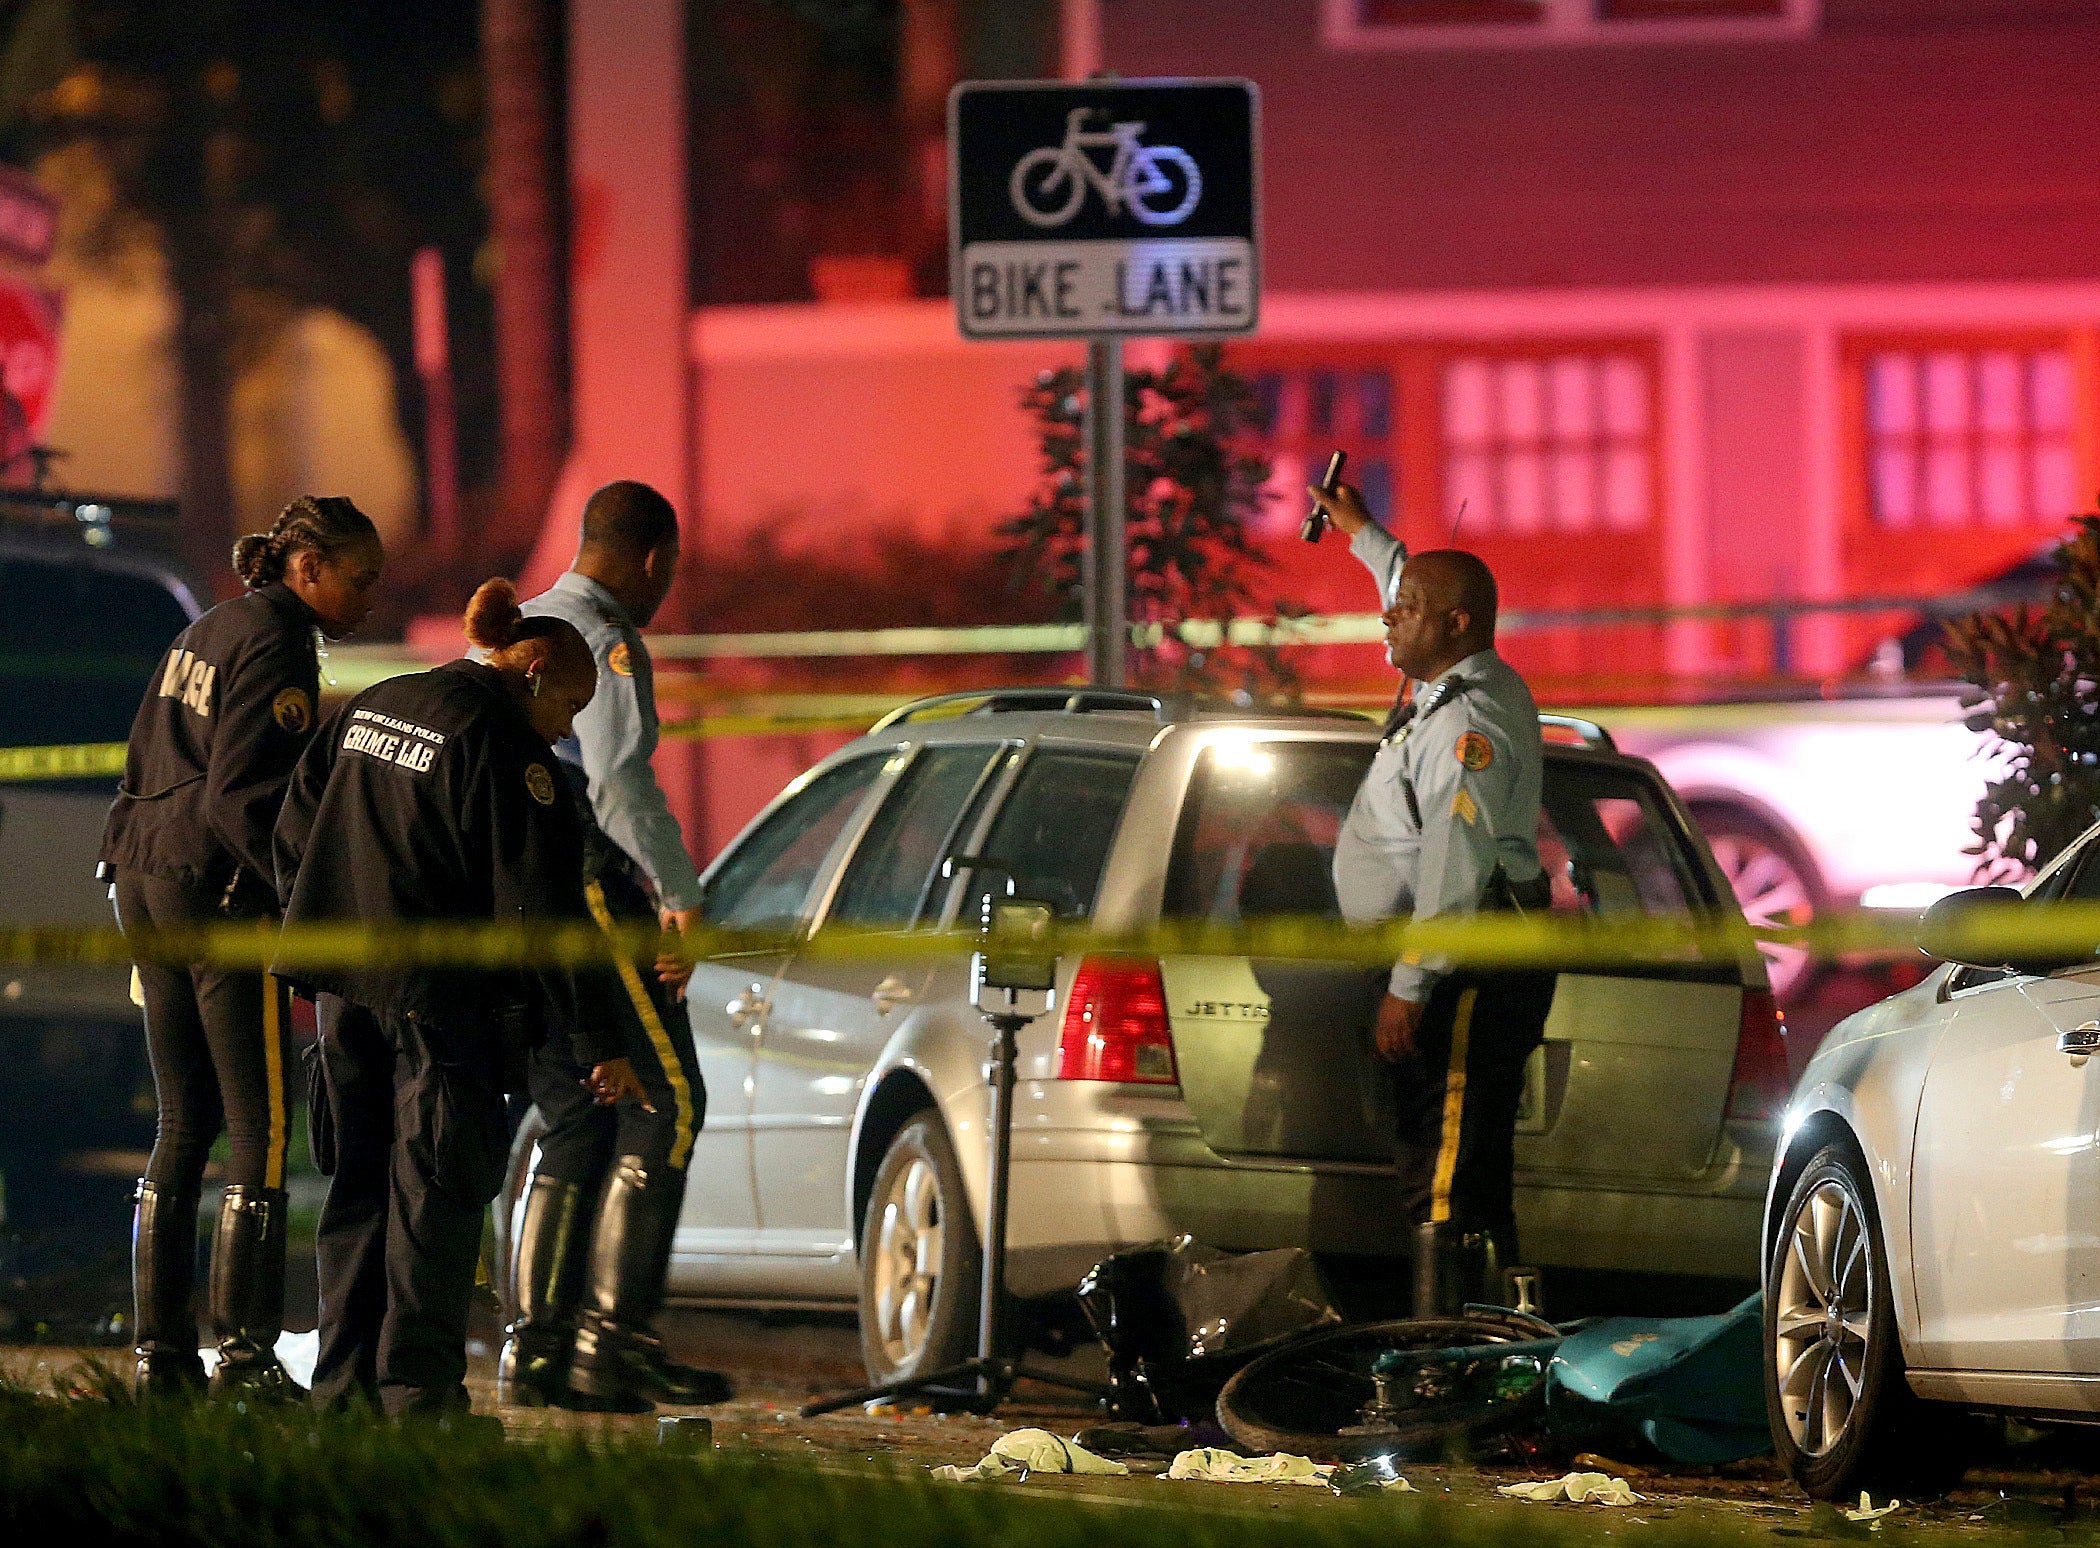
x,y
843,1159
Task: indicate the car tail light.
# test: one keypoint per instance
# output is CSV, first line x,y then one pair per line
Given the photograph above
x,y
1116,1024
1758,1088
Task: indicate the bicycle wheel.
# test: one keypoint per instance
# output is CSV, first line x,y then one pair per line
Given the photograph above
x,y
1344,1394
1163,185
1044,175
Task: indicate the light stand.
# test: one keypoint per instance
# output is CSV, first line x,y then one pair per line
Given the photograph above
x,y
1010,962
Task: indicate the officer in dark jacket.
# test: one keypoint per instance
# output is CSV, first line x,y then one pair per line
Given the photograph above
x,y
434,797
188,842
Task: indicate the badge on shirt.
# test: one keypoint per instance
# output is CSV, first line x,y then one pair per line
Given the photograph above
x,y
293,710
1465,808
1475,751
540,783
621,659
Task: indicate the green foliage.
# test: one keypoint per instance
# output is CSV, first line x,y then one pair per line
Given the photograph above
x,y
2036,672
1193,482
122,1472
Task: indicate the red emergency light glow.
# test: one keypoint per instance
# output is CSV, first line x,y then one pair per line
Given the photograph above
x,y
1116,1024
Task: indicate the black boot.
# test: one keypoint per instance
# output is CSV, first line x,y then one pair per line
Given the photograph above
x,y
620,1364
1454,1268
546,1277
247,1297
163,1275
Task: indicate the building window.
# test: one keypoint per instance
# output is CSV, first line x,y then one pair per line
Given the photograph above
x,y
1970,437
1495,23
1548,443
1307,413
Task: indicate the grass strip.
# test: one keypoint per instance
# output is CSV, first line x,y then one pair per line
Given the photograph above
x,y
115,1470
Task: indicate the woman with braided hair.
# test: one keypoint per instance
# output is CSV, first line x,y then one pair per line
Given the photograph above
x,y
188,842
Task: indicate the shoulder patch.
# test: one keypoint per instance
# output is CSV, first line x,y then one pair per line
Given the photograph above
x,y
1475,751
293,710
621,659
1465,808
539,783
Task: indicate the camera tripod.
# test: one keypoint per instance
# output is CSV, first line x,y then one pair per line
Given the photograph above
x,y
985,1380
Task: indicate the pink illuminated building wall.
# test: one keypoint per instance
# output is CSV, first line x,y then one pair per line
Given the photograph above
x,y
1685,301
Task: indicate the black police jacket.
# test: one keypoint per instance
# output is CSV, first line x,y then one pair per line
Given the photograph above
x,y
214,742
431,797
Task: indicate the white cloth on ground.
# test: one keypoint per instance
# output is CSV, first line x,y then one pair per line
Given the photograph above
x,y
1576,1489
1019,1452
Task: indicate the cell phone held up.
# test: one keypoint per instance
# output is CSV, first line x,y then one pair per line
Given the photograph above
x,y
1315,526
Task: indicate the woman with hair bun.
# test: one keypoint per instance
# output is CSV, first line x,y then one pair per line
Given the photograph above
x,y
434,797
188,842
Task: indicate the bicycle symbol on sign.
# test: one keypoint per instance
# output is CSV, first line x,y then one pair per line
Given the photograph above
x,y
1159,184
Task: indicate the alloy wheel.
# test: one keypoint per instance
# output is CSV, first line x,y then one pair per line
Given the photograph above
x,y
1772,892
1823,1316
908,1261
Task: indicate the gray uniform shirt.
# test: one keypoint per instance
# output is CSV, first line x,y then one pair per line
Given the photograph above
x,y
616,737
1449,796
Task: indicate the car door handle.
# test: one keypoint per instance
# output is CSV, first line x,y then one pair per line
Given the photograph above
x,y
889,994
752,1003
2081,1043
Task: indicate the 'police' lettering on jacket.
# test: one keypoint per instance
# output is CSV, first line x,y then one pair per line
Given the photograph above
x,y
189,679
399,742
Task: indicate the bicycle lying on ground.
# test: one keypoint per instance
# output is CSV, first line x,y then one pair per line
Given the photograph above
x,y
1411,1388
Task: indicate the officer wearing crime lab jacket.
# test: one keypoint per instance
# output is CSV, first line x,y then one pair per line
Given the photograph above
x,y
187,843
434,797
1444,824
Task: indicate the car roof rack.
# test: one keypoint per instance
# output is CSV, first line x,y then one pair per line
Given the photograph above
x,y
999,701
1163,707
1587,733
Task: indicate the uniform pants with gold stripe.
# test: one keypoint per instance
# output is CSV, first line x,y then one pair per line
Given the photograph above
x,y
217,1039
582,1138
1457,1099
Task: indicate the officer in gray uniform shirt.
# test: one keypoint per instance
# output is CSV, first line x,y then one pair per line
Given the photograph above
x,y
1446,823
595,1235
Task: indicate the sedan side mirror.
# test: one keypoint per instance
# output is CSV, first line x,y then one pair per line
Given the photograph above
x,y
1978,927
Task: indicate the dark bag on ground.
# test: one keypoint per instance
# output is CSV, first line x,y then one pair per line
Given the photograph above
x,y
1178,1318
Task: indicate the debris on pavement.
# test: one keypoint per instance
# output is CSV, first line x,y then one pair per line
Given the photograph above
x,y
1018,1453
1868,1511
1576,1489
1373,1475
1211,1464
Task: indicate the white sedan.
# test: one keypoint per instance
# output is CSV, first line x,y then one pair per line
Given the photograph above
x,y
1932,1229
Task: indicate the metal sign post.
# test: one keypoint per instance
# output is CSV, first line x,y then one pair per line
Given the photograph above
x,y
1104,210
1107,571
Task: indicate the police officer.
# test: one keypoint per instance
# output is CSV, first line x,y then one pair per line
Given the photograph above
x,y
433,797
595,1235
1446,823
186,843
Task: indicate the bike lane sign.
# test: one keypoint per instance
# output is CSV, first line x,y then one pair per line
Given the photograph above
x,y
1104,208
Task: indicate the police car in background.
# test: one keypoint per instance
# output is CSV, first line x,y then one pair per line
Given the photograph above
x,y
87,608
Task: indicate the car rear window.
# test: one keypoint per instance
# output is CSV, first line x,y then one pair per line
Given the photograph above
x,y
1054,830
1609,847
77,643
1258,829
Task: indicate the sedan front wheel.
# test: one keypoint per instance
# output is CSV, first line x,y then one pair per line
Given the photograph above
x,y
1842,1414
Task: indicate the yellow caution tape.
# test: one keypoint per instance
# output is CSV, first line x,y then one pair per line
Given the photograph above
x,y
78,760
2060,932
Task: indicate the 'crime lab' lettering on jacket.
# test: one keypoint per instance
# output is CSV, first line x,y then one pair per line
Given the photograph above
x,y
401,742
1451,796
